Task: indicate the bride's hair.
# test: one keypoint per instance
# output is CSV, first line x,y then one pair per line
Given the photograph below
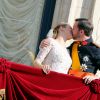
x,y
53,33
56,29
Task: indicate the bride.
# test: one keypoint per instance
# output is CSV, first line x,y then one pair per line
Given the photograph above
x,y
55,57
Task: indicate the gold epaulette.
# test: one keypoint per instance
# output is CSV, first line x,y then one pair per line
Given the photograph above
x,y
97,45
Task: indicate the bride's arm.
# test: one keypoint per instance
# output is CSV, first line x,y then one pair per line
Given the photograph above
x,y
43,52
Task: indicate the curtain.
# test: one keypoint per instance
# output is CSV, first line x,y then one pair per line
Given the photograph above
x,y
22,82
19,29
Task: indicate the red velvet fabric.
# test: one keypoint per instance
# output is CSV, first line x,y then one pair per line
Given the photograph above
x,y
26,83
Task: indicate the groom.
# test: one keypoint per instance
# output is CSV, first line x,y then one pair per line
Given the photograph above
x,y
85,54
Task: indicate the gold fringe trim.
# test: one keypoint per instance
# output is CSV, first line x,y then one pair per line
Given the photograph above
x,y
2,94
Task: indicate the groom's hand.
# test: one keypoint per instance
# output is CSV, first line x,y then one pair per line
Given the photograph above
x,y
88,79
44,43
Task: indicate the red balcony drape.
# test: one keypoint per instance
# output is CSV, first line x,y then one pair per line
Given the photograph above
x,y
23,82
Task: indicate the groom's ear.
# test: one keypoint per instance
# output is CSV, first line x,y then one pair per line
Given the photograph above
x,y
82,32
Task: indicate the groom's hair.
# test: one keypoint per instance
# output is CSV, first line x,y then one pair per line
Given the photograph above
x,y
86,25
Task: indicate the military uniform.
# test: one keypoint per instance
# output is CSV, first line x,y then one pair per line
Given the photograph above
x,y
89,56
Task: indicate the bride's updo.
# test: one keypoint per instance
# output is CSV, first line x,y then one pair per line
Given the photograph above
x,y
54,32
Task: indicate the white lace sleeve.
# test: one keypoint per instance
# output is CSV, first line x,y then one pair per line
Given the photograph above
x,y
43,52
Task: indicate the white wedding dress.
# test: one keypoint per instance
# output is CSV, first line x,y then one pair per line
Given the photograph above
x,y
56,56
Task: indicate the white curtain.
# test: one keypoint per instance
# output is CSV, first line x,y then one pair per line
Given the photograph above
x,y
19,28
96,22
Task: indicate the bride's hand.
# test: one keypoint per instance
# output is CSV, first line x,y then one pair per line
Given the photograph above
x,y
46,69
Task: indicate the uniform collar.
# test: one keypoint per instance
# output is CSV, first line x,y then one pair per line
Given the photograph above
x,y
87,41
